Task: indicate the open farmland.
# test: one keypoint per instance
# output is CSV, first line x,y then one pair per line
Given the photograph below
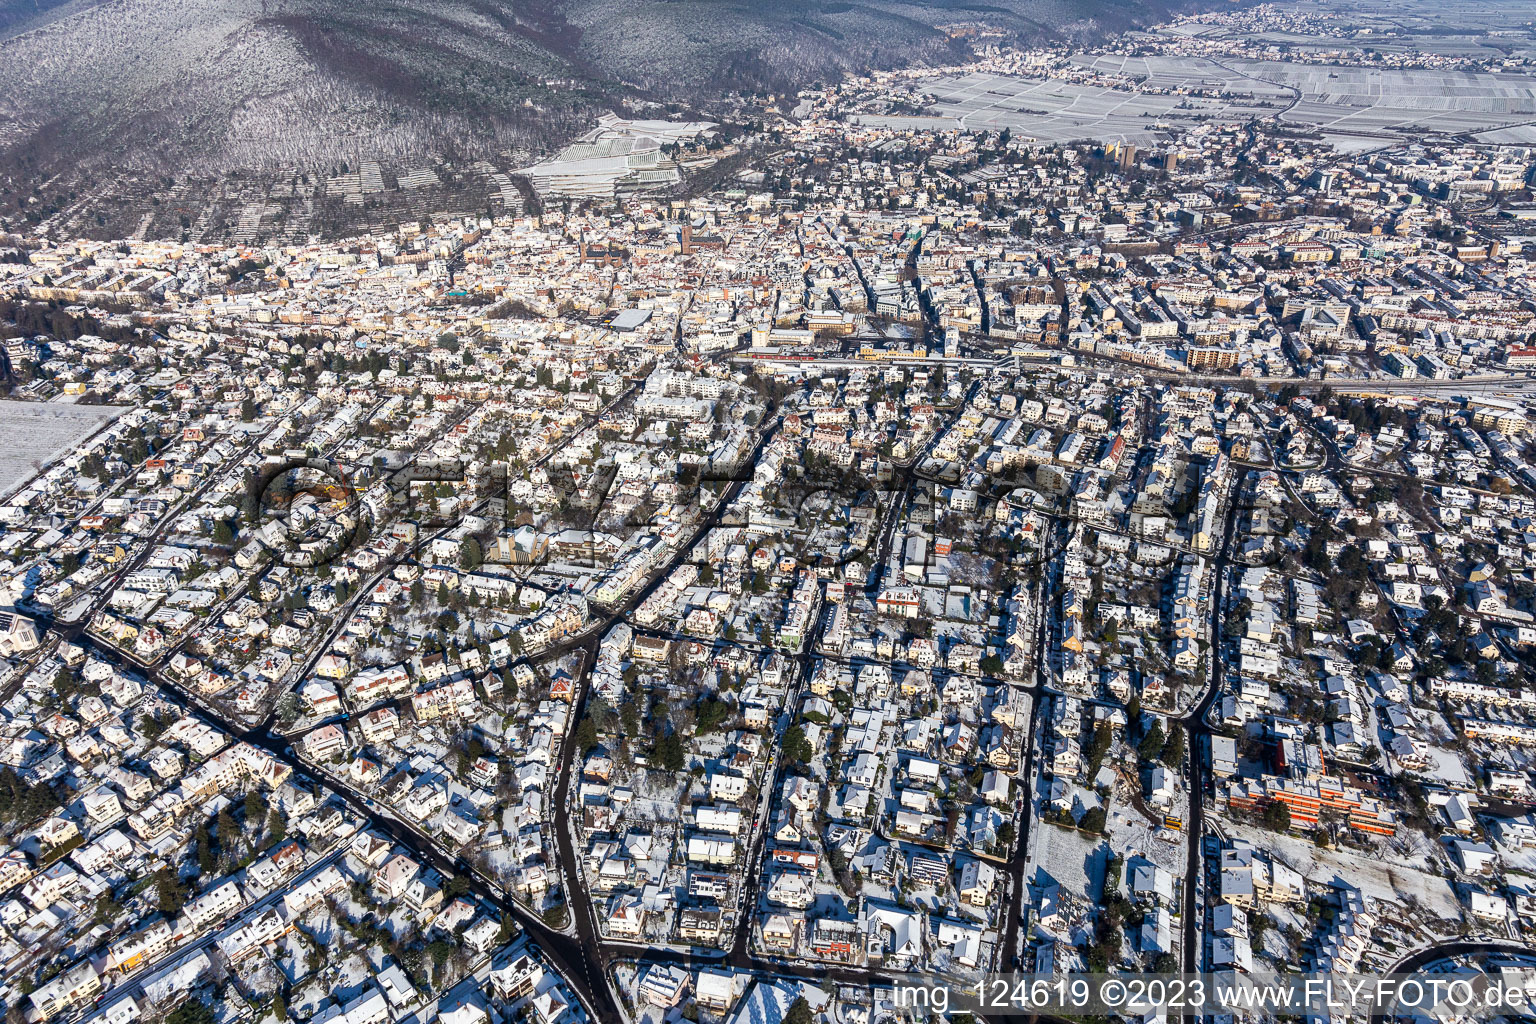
x,y
37,432
1176,73
1353,108
1048,110
1388,104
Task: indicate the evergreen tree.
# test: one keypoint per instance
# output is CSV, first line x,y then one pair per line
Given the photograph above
x,y
1277,817
470,555
586,736
172,894
1173,749
206,862
795,746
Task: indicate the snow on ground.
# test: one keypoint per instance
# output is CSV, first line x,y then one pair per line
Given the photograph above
x,y
290,958
321,925
504,859
1073,859
261,978
1448,769
1130,830
1437,729
657,797
1378,874
1518,860
308,1000
38,432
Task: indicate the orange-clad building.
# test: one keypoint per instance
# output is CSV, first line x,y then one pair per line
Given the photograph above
x,y
1306,800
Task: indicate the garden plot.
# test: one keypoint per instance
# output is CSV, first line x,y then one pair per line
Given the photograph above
x,y
1073,860
1131,831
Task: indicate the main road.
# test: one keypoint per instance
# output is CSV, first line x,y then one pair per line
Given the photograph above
x,y
1197,734
1497,384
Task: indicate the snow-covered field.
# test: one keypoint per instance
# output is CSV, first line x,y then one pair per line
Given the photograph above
x,y
1074,860
37,432
1347,104
1379,875
1132,831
